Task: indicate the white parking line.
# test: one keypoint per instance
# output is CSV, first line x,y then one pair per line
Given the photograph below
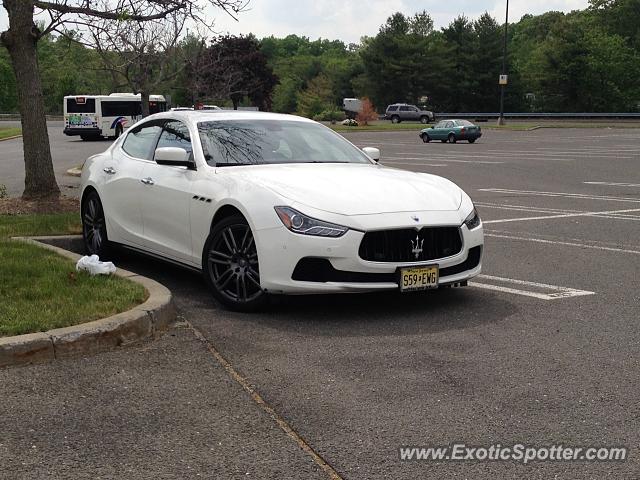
x,y
446,159
557,242
556,293
581,196
391,164
524,208
567,215
614,184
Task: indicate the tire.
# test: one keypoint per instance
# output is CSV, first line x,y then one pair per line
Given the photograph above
x,y
118,131
424,119
472,140
452,138
395,119
230,265
425,137
94,226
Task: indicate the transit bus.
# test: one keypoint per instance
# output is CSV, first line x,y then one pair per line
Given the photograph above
x,y
95,116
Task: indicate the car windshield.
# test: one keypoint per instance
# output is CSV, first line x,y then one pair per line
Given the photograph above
x,y
464,123
259,142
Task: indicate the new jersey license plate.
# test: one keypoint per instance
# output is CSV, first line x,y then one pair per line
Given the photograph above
x,y
418,278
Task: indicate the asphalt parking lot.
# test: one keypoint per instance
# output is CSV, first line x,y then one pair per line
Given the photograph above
x,y
542,349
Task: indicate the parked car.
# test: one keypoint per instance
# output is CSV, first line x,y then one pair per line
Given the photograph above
x,y
403,111
264,203
451,131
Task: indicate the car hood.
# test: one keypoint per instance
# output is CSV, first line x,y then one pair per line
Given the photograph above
x,y
356,189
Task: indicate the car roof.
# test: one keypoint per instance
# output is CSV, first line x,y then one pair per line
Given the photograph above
x,y
197,116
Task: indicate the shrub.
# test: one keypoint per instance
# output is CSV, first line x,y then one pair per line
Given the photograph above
x,y
368,112
330,115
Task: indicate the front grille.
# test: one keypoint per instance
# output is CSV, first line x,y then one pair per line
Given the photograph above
x,y
402,246
310,269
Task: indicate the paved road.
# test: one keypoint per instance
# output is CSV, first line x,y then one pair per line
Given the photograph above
x,y
67,152
543,349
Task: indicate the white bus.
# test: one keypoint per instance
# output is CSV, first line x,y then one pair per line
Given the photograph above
x,y
95,116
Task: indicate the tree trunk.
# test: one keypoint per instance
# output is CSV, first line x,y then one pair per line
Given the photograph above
x,y
21,39
144,98
236,98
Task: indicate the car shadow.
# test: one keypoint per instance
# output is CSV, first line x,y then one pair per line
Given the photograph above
x,y
357,314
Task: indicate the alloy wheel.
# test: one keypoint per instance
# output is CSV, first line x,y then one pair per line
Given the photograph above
x,y
94,226
232,262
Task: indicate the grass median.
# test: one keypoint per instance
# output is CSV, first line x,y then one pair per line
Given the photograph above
x,y
416,127
9,132
41,290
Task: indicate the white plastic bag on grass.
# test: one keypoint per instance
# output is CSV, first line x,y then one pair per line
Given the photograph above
x,y
94,266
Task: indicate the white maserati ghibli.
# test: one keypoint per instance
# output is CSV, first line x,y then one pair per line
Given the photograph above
x,y
265,204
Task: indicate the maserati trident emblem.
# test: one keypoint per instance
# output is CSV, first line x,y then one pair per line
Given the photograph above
x,y
416,247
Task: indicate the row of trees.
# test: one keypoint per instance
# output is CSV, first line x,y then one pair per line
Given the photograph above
x,y
583,61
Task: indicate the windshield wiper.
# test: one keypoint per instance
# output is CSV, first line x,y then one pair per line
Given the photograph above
x,y
234,164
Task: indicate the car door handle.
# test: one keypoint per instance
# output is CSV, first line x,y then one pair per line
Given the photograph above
x,y
109,170
147,181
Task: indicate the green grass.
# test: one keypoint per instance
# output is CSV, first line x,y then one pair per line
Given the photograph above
x,y
9,132
416,127
41,290
380,127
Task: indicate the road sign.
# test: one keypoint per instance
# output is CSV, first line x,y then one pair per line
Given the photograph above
x,y
502,80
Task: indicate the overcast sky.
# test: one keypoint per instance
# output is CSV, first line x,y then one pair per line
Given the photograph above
x,y
348,20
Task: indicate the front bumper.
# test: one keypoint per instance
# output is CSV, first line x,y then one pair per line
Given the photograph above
x,y
280,252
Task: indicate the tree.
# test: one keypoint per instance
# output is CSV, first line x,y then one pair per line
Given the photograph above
x,y
21,40
485,65
234,67
368,113
316,98
404,62
141,54
461,38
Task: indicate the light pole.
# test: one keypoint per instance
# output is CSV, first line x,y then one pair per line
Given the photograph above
x,y
503,78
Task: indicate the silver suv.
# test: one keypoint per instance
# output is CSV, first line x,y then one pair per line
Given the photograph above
x,y
403,111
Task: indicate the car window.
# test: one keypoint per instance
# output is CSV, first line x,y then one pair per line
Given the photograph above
x,y
175,134
405,109
255,142
392,108
449,125
415,109
464,123
440,125
140,141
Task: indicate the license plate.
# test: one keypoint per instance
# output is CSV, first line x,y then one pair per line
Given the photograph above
x,y
418,278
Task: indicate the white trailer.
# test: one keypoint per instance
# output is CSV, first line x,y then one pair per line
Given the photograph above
x,y
351,107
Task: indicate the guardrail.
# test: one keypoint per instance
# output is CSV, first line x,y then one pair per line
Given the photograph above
x,y
576,115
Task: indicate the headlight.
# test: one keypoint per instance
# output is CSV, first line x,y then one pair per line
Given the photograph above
x,y
300,223
473,219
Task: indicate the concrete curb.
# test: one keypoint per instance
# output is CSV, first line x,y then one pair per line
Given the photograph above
x,y
142,322
10,138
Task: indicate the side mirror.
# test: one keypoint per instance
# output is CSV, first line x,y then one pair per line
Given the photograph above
x,y
372,152
174,156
